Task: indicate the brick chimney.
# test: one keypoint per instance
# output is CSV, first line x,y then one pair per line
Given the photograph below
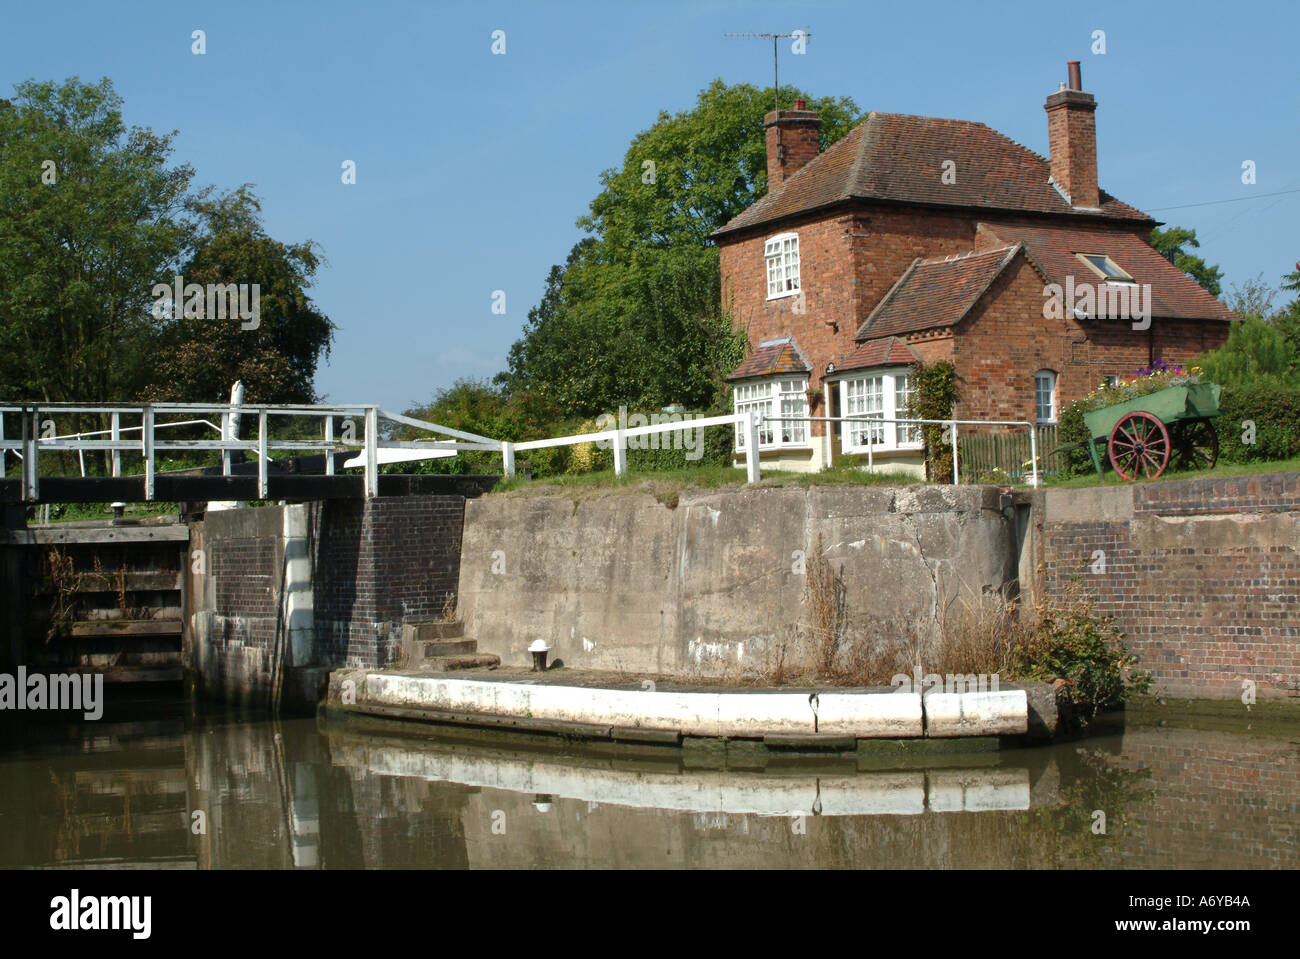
x,y
1072,132
792,140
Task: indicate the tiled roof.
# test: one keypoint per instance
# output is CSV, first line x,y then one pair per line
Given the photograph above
x,y
899,157
935,292
1173,293
887,351
773,358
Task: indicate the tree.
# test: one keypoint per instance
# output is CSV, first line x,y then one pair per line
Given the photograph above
x,y
1174,242
1253,297
91,216
634,316
1256,352
199,358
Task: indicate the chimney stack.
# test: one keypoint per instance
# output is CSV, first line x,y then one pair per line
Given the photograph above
x,y
1072,133
793,137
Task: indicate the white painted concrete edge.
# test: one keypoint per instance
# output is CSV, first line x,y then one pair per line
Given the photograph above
x,y
894,715
1001,713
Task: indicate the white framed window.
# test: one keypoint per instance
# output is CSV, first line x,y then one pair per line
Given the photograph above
x,y
1045,396
782,256
904,390
784,398
883,395
865,397
1110,381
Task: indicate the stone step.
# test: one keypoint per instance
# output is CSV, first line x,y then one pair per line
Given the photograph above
x,y
428,649
463,661
431,629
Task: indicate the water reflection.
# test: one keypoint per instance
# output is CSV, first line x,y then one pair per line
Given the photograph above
x,y
240,793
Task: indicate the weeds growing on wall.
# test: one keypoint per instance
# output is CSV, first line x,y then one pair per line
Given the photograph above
x,y
61,576
1072,643
825,600
1064,642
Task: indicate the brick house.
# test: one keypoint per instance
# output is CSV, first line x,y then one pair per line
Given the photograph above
x,y
916,238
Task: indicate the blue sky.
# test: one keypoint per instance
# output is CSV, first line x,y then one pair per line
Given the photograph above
x,y
472,168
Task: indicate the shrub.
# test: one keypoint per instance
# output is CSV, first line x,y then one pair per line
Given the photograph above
x,y
1273,408
1255,348
1072,643
588,457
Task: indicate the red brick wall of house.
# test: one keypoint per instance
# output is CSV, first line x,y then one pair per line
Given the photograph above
x,y
1005,339
842,278
1000,345
827,282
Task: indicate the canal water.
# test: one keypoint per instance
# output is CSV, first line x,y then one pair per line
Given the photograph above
x,y
153,785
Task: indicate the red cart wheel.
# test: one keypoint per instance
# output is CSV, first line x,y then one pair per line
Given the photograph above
x,y
1196,445
1139,446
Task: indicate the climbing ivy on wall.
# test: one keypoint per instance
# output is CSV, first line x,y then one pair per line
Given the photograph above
x,y
936,392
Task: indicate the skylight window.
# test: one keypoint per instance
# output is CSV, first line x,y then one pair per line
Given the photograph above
x,y
1105,266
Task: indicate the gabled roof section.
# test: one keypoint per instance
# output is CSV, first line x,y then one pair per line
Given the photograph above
x,y
773,358
900,157
887,351
1174,295
936,292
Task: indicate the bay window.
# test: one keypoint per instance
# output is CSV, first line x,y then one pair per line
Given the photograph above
x,y
882,395
769,399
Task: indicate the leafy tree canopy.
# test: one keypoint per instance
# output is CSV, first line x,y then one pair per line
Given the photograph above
x,y
1176,241
199,359
634,316
91,216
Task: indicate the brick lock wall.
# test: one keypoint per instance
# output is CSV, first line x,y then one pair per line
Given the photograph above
x,y
1204,579
247,591
377,563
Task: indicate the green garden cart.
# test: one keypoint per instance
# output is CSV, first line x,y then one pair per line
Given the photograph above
x,y
1143,435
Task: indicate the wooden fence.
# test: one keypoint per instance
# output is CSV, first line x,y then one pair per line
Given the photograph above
x,y
991,454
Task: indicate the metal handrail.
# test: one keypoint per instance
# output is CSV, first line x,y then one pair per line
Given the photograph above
x,y
954,423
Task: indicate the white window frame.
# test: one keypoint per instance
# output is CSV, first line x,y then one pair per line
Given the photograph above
x,y
1051,377
789,395
877,392
1124,279
781,265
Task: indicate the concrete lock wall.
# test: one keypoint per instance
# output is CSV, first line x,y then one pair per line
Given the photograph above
x,y
625,582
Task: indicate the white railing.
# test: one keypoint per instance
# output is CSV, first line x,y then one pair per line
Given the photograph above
x,y
38,436
618,438
953,425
